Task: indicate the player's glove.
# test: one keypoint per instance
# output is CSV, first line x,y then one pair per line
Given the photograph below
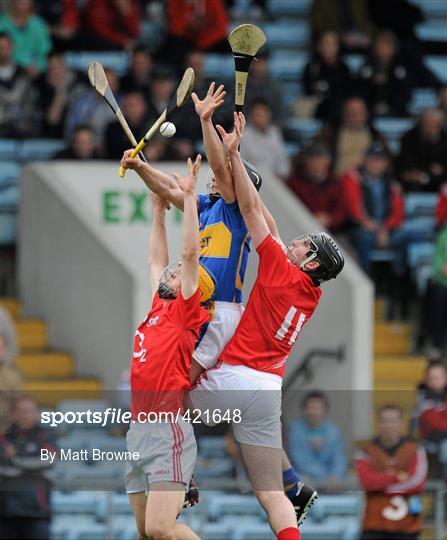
x,y
192,495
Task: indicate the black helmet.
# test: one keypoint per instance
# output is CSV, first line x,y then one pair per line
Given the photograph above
x,y
326,252
253,173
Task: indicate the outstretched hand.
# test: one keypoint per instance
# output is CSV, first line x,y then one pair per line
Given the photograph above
x,y
212,101
233,140
159,204
188,183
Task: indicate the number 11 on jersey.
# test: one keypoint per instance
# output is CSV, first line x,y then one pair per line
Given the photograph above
x,y
286,324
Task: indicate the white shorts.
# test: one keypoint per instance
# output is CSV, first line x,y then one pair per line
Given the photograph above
x,y
167,453
221,329
257,395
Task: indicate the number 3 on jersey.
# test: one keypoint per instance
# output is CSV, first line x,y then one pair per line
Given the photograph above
x,y
287,323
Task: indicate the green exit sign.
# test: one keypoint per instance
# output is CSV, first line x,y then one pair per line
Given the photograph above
x,y
130,207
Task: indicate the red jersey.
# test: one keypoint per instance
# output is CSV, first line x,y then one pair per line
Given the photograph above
x,y
282,300
163,347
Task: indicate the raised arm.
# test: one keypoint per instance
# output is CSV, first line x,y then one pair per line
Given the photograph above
x,y
158,243
157,181
248,199
191,235
215,151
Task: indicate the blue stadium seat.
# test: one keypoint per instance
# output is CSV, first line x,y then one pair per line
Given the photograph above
x,y
9,149
40,149
217,531
420,252
419,229
219,68
432,8
382,255
292,149
8,227
62,524
288,8
443,452
420,204
212,447
291,91
393,127
9,197
287,67
253,532
219,506
329,530
151,34
94,531
422,274
300,129
354,61
434,30
287,34
438,64
76,502
214,468
118,61
9,173
422,99
336,505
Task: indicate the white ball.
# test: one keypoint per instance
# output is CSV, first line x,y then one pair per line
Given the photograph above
x,y
167,129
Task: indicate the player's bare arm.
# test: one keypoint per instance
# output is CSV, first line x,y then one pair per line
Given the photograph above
x,y
248,199
191,235
158,243
156,180
215,152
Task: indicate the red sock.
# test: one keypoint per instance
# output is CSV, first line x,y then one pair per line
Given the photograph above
x,y
291,533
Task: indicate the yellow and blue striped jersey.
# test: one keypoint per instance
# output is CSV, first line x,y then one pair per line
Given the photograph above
x,y
225,245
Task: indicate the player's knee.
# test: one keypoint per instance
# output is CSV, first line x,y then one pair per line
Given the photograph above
x,y
159,530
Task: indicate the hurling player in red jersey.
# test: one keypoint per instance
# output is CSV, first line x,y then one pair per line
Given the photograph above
x,y
164,342
249,375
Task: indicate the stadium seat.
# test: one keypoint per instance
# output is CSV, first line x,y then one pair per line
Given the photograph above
x,y
39,149
76,502
287,34
331,529
419,229
420,204
438,64
292,149
422,99
287,67
354,61
9,149
253,532
434,30
302,129
286,8
432,8
219,506
422,274
9,197
212,447
420,252
382,255
118,61
219,68
94,531
291,91
9,173
8,227
214,468
336,505
393,127
151,34
217,531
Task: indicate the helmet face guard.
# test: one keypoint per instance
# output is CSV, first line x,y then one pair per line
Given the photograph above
x,y
166,289
322,249
212,188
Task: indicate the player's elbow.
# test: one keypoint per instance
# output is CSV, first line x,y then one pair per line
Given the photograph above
x,y
250,208
191,254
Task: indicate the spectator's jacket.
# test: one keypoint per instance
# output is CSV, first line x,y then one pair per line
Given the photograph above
x,y
419,154
106,21
24,479
317,452
325,197
441,207
390,504
431,412
440,258
358,205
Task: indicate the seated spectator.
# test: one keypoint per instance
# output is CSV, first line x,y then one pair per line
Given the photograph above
x,y
16,110
261,85
350,139
316,447
57,89
10,379
314,183
326,78
375,208
350,19
82,145
263,144
392,470
91,108
437,296
441,207
162,89
140,73
384,80
134,109
111,24
29,34
431,413
63,20
422,162
25,477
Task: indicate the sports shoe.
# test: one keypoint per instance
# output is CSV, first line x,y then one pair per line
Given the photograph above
x,y
303,500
